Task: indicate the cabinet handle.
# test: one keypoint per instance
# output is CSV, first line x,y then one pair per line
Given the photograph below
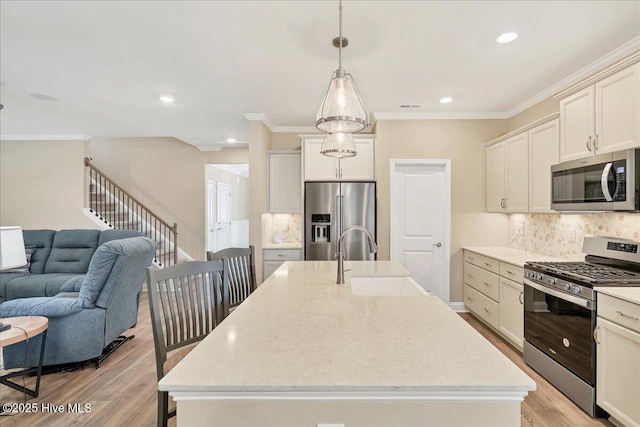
x,y
589,143
470,258
595,143
628,316
470,276
486,284
487,264
282,255
336,172
520,297
487,311
470,299
340,173
595,335
511,272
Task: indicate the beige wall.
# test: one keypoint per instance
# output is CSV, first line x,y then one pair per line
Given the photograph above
x,y
259,144
462,142
42,184
285,141
239,190
226,155
166,175
531,114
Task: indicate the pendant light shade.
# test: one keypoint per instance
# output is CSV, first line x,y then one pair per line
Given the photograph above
x,y
342,109
338,145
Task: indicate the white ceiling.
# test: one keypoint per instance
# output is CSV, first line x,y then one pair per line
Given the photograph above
x,y
107,62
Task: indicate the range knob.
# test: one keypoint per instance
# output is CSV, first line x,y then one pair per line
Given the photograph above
x,y
538,276
566,286
551,281
576,290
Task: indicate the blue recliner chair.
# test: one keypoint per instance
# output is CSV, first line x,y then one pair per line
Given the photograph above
x,y
89,313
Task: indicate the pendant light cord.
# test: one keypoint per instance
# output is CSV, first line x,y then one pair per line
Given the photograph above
x,y
340,33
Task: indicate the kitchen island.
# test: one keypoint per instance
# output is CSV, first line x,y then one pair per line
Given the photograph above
x,y
303,351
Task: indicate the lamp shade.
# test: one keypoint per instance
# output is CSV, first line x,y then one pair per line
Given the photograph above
x,y
11,248
338,145
342,109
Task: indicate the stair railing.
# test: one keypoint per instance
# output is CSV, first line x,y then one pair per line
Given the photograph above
x,y
114,206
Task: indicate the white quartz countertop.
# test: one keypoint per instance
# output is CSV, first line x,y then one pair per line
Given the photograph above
x,y
511,255
301,333
288,245
631,294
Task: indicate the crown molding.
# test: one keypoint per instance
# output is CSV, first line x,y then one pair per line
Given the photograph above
x,y
439,116
628,49
525,128
55,137
260,117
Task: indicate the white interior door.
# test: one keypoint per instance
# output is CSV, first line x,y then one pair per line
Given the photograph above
x,y
211,215
223,222
420,221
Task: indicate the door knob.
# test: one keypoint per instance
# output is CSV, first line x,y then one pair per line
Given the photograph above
x,y
437,245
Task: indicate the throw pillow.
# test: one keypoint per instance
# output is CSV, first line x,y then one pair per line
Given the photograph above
x,y
28,251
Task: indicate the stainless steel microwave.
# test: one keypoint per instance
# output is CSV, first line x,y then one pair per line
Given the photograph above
x,y
606,182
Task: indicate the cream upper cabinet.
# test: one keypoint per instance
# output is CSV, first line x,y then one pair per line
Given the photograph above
x,y
518,167
318,167
517,164
618,355
285,182
544,151
602,117
495,172
618,111
507,175
577,119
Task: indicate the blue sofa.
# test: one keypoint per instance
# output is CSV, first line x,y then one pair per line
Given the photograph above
x,y
86,282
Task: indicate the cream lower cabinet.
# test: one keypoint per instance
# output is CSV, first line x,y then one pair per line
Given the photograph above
x,y
493,292
274,258
618,359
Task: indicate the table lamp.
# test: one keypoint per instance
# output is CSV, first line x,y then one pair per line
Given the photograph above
x,y
12,252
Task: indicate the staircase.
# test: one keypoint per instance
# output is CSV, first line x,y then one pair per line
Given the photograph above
x,y
112,207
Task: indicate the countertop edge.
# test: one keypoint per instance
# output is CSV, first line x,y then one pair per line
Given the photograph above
x,y
510,255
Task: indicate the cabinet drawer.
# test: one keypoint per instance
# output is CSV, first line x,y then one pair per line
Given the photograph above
x,y
482,306
619,311
512,272
482,280
282,255
482,261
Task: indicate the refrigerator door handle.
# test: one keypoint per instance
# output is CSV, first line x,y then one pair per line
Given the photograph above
x,y
338,220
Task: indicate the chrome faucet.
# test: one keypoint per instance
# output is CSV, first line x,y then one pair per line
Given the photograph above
x,y
373,248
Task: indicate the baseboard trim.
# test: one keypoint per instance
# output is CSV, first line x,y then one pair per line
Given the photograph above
x,y
458,307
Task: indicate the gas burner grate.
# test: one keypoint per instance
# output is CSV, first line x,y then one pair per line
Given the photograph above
x,y
592,273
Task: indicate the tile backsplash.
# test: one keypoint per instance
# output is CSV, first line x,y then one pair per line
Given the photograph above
x,y
281,228
560,235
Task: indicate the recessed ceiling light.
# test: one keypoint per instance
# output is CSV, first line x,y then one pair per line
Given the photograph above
x,y
43,97
231,140
507,37
446,100
167,98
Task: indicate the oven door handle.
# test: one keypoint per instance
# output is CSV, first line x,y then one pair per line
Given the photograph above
x,y
584,303
604,182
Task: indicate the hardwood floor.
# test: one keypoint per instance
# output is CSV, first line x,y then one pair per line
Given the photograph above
x,y
546,406
122,392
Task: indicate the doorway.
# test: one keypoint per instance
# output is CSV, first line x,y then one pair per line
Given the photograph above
x,y
420,221
227,206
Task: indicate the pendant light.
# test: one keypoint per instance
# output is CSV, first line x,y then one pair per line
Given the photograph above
x,y
338,145
342,109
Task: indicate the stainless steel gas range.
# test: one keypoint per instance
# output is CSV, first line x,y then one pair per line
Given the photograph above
x,y
560,313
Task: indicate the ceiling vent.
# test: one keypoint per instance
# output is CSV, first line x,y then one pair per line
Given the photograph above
x,y
410,105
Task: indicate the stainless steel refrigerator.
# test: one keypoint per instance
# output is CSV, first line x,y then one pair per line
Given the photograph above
x,y
329,208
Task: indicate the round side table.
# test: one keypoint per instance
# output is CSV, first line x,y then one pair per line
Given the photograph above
x,y
21,329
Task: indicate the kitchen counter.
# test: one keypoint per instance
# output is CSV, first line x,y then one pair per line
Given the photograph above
x,y
302,350
631,294
511,255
